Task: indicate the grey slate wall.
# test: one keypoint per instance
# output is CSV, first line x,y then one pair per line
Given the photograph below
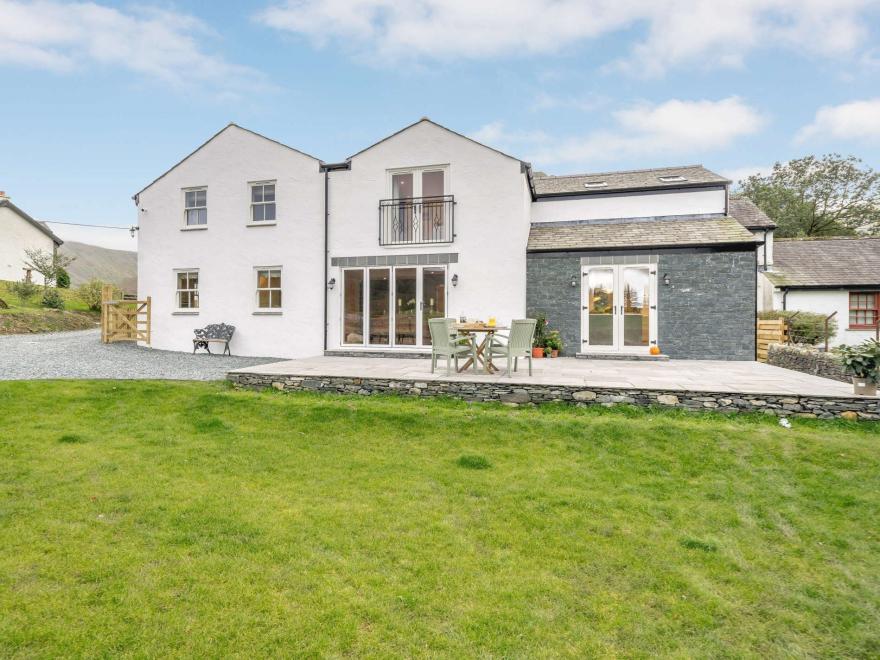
x,y
707,312
549,290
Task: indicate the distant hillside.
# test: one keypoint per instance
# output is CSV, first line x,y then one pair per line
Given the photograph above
x,y
116,266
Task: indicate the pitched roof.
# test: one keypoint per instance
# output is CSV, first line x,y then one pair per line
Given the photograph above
x,y
826,262
748,214
36,223
670,232
680,177
211,139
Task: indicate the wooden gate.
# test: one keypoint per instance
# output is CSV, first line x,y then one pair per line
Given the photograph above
x,y
124,320
770,331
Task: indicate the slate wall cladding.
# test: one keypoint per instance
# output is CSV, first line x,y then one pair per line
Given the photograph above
x,y
706,313
549,290
708,310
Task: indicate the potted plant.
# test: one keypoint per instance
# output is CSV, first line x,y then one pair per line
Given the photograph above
x,y
554,343
863,362
539,343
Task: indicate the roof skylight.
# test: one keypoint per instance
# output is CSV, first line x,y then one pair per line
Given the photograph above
x,y
596,184
672,178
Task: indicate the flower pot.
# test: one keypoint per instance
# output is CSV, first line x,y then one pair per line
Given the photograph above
x,y
554,353
537,352
864,387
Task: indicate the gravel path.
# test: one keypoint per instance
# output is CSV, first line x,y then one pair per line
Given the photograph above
x,y
81,354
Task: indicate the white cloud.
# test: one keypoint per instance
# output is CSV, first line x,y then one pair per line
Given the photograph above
x,y
738,174
673,128
160,44
676,32
857,120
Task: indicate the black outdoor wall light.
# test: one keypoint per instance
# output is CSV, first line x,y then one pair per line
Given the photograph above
x,y
665,279
574,281
455,280
331,283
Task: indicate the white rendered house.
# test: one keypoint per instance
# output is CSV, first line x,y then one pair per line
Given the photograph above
x,y
305,257
19,232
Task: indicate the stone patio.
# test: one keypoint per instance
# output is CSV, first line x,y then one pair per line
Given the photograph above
x,y
690,384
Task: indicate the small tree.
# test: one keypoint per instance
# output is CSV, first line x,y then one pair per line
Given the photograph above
x,y
52,299
25,290
810,196
46,263
90,293
63,279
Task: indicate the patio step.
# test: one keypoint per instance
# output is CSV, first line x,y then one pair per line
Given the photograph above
x,y
418,355
622,356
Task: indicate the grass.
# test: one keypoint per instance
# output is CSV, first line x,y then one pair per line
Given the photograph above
x,y
160,519
26,316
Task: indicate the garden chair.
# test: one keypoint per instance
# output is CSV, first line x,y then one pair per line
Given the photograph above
x,y
446,343
515,345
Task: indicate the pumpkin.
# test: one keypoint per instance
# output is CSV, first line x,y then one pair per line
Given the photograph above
x,y
654,350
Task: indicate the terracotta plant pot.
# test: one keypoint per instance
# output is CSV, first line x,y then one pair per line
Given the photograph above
x,y
554,353
864,387
537,352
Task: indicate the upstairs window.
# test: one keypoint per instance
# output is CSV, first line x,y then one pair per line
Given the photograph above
x,y
263,202
187,289
196,207
864,308
269,288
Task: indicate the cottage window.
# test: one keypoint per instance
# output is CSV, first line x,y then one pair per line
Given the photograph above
x,y
196,207
269,288
263,202
864,307
187,289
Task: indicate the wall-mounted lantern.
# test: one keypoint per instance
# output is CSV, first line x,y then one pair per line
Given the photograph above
x,y
666,279
574,281
455,280
331,283
133,229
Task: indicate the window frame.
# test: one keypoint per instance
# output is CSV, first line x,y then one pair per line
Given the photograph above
x,y
875,309
187,209
417,179
280,289
253,204
177,290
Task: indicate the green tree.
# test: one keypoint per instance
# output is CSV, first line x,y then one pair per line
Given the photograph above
x,y
828,196
63,279
47,263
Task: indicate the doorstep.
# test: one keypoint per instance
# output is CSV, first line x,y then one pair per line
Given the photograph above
x,y
623,356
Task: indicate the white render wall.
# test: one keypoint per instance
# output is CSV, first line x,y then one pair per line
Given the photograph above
x,y
491,220
16,234
227,252
825,301
698,201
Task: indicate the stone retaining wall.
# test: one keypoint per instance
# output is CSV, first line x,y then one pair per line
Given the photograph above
x,y
518,393
807,360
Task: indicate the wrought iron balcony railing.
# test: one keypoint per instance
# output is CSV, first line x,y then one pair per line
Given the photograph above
x,y
417,220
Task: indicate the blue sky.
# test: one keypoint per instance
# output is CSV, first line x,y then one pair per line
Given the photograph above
x,y
99,98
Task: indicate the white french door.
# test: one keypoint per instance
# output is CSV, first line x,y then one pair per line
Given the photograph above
x,y
390,306
619,310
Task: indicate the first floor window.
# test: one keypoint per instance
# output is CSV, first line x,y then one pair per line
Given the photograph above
x,y
196,207
864,307
269,288
188,289
263,202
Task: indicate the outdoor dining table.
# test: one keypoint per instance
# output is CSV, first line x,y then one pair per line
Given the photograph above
x,y
488,331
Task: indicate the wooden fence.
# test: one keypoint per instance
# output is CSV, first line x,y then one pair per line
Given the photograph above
x,y
124,320
770,331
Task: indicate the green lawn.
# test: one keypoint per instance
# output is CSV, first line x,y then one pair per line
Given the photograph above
x,y
24,316
158,519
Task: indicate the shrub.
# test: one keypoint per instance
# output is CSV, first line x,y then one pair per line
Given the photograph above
x,y
63,279
90,294
540,340
24,290
52,299
804,327
862,360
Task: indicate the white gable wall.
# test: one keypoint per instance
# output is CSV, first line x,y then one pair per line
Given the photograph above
x,y
227,252
16,235
491,220
695,201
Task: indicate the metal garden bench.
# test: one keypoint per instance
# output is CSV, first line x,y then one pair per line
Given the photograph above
x,y
216,332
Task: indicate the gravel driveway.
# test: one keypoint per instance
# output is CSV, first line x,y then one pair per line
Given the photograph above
x,y
82,355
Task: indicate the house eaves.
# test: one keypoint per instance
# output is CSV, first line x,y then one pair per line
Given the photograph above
x,y
36,223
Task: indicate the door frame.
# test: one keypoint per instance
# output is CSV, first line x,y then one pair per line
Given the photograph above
x,y
617,317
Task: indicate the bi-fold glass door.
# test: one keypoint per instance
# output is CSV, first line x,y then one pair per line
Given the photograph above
x,y
619,308
391,306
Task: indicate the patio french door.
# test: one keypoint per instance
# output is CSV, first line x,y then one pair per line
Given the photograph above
x,y
390,306
619,310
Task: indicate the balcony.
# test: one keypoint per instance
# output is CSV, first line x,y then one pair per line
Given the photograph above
x,y
417,220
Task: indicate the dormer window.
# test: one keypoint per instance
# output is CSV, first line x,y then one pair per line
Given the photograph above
x,y
596,184
672,178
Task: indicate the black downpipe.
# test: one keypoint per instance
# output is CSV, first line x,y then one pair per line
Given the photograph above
x,y
784,296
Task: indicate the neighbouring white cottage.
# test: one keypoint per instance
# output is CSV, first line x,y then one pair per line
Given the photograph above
x,y
18,232
839,276
306,257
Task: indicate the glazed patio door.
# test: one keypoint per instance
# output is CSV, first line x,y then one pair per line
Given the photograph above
x,y
619,308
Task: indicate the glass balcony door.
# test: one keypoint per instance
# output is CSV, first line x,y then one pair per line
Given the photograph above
x,y
619,308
